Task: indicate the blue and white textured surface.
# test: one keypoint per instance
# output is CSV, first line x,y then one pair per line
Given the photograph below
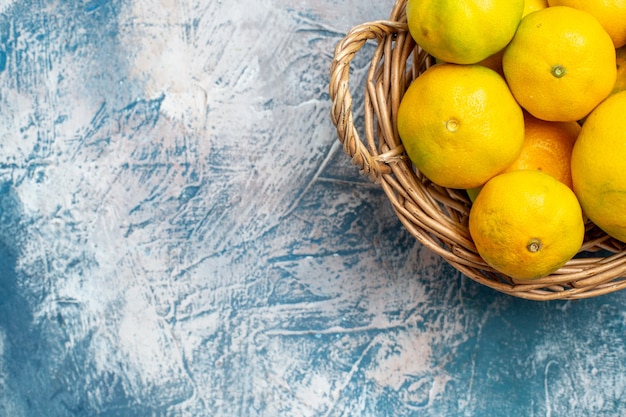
x,y
181,235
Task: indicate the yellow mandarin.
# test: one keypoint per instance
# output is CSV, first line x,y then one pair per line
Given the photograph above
x,y
599,166
547,148
610,13
460,125
526,224
560,64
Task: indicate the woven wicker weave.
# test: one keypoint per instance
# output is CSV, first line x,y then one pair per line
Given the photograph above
x,y
438,217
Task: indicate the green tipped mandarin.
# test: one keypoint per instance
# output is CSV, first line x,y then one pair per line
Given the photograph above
x,y
463,32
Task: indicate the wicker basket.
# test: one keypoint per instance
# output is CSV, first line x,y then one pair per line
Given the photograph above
x,y
436,216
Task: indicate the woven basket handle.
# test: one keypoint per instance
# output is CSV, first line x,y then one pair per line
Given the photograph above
x,y
341,111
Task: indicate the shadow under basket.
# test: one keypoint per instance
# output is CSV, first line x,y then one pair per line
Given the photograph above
x,y
437,216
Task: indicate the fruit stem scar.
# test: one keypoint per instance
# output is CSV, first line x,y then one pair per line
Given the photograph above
x,y
534,245
558,71
452,125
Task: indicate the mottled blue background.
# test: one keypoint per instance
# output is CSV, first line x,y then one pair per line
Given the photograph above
x,y
182,235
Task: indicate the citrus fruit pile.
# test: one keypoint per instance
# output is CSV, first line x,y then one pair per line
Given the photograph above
x,y
525,109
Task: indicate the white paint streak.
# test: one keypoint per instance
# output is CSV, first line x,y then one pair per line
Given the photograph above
x,y
546,388
5,4
142,340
